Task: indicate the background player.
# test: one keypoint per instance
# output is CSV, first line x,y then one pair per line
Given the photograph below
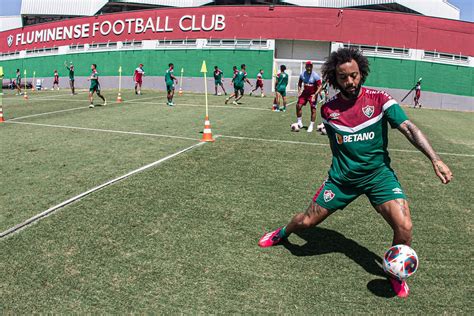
x,y
138,77
238,81
279,103
259,84
218,78
170,79
70,68
417,94
357,120
18,82
55,80
95,86
309,86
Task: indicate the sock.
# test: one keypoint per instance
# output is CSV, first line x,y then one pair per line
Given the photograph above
x,y
311,124
283,233
299,120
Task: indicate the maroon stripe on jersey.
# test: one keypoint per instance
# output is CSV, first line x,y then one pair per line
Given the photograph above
x,y
352,113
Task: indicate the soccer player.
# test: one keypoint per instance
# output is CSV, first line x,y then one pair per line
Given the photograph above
x,y
238,81
170,79
356,120
138,77
95,86
280,90
18,82
218,74
309,86
259,83
55,80
70,68
417,95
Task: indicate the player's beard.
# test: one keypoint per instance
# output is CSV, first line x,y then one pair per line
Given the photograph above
x,y
351,95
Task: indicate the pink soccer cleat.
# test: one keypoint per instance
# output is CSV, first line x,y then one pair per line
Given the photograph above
x,y
400,287
270,239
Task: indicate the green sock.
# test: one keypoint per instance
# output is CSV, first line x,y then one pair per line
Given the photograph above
x,y
282,232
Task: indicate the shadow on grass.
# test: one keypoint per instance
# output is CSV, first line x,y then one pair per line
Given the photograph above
x,y
321,241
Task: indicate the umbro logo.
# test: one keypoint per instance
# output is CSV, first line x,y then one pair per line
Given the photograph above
x,y
397,191
334,116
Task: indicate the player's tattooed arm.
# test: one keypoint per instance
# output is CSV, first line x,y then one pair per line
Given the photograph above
x,y
419,140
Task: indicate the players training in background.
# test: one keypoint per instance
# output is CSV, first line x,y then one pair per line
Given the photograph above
x,y
170,80
95,86
18,82
55,80
218,79
279,103
259,84
417,94
238,82
138,78
356,120
309,86
70,69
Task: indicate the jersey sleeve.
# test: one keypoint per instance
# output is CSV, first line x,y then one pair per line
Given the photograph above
x,y
394,113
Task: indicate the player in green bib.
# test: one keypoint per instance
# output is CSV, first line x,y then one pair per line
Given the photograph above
x,y
18,82
70,68
170,79
238,82
95,86
356,121
281,82
218,78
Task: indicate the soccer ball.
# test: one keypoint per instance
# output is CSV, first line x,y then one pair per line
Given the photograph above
x,y
400,262
295,127
322,129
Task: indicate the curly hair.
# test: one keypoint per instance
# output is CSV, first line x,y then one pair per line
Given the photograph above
x,y
341,56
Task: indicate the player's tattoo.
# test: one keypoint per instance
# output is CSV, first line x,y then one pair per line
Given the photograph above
x,y
418,139
313,210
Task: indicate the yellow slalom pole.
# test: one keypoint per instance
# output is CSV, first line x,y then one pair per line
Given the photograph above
x,y
180,91
25,96
119,96
207,134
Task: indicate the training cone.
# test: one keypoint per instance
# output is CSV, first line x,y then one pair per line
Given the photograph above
x,y
119,98
180,91
25,96
1,115
207,134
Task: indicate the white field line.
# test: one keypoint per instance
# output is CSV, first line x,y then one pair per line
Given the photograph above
x,y
320,144
66,110
95,189
101,130
235,107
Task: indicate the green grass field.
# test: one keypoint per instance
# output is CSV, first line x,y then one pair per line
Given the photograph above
x,y
181,237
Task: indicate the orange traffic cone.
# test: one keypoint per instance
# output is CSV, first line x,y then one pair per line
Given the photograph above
x,y
180,91
1,115
207,134
119,98
25,96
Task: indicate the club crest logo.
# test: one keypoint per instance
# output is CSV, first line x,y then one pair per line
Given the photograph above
x,y
368,110
339,138
10,40
328,195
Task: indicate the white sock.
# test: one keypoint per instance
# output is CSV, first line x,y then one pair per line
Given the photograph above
x,y
311,124
299,120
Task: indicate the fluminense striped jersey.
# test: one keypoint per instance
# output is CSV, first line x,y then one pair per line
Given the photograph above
x,y
357,131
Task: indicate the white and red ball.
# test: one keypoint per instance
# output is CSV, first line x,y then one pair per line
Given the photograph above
x,y
400,261
295,127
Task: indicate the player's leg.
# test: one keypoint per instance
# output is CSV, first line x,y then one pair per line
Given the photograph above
x,y
171,95
276,101
313,116
397,214
91,98
239,95
223,89
284,103
97,91
233,95
215,87
299,111
328,198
